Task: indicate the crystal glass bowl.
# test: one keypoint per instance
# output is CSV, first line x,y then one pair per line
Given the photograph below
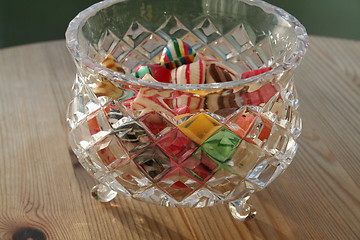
x,y
176,144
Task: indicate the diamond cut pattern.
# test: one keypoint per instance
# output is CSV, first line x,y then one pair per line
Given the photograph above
x,y
239,38
194,42
245,158
110,152
266,170
90,130
242,121
119,50
260,131
153,159
156,124
223,48
200,165
280,143
207,31
173,27
223,183
153,162
84,103
221,145
226,47
177,144
136,34
132,60
107,42
116,115
132,136
131,178
200,127
152,46
179,184
254,59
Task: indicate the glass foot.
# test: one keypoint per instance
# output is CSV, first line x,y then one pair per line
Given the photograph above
x,y
103,193
241,210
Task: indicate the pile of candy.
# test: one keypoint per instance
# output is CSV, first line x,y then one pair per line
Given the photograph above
x,y
176,136
179,64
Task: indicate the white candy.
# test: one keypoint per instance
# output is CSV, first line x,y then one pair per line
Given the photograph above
x,y
193,73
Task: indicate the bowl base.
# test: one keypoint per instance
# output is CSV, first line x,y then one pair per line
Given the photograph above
x,y
103,193
241,210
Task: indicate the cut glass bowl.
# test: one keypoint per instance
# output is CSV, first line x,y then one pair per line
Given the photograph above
x,y
234,138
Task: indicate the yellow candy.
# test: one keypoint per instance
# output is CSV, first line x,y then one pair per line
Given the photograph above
x,y
200,127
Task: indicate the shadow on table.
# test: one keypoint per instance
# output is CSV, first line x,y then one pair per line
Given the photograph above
x,y
143,225
260,227
262,230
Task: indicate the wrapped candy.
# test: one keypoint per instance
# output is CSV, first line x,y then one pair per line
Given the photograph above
x,y
176,53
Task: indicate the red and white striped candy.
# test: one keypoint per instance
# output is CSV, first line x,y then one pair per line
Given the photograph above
x,y
151,99
193,103
193,73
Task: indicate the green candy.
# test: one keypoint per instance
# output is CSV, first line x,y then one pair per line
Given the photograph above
x,y
141,72
222,145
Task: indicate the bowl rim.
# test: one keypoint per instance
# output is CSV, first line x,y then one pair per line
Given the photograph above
x,y
72,43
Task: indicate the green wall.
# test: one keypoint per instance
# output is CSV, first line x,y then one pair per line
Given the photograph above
x,y
331,18
24,21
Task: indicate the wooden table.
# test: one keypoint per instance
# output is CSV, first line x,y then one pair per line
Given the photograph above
x,y
45,192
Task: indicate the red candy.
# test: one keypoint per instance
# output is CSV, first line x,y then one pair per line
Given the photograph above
x,y
255,72
159,73
262,95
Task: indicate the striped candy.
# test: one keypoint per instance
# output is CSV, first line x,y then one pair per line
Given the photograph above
x,y
227,99
176,53
215,74
209,60
192,103
151,99
193,73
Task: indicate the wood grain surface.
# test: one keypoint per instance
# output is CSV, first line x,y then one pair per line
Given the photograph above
x,y
45,192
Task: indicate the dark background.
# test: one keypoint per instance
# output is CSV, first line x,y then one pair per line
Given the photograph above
x,y
24,21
